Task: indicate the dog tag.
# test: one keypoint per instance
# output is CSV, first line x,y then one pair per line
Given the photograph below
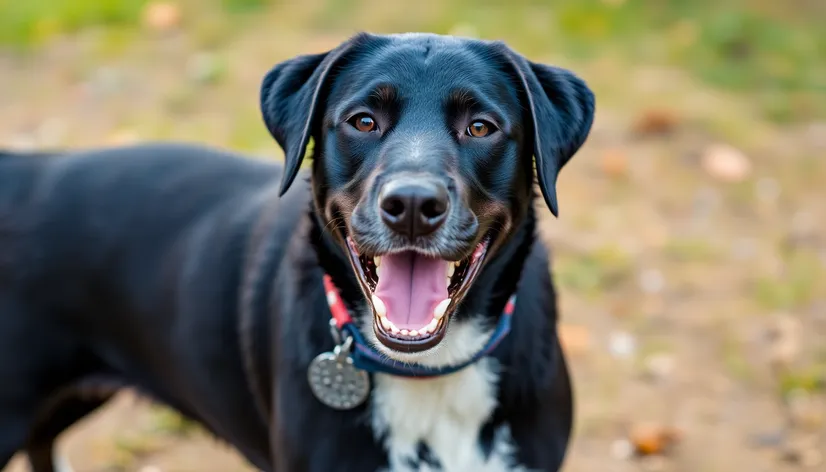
x,y
335,381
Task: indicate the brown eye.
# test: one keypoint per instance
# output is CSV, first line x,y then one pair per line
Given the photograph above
x,y
364,123
478,129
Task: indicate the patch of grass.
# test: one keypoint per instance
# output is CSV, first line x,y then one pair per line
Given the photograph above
x,y
734,358
799,284
810,380
26,23
168,421
248,132
130,448
690,249
595,271
772,54
244,6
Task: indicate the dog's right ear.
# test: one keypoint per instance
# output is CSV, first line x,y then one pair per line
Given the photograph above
x,y
289,98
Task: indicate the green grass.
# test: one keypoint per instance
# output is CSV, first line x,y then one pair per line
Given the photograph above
x,y
594,272
799,284
32,22
770,50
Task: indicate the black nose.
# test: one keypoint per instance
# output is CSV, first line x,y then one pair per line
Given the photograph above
x,y
414,208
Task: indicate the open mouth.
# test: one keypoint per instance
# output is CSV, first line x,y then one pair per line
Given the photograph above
x,y
413,295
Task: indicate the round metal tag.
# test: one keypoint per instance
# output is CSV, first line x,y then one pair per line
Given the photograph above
x,y
336,382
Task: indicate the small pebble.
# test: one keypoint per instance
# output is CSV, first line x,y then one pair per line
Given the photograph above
x,y
622,449
652,281
784,340
767,190
660,366
162,16
726,163
622,344
150,468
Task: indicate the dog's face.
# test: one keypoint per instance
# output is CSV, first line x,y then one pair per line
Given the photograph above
x,y
423,148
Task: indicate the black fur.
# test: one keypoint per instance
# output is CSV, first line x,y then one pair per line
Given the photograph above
x,y
194,275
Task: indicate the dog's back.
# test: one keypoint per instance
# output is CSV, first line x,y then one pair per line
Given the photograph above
x,y
98,246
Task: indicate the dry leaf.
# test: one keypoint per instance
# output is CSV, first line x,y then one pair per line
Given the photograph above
x,y
656,122
651,439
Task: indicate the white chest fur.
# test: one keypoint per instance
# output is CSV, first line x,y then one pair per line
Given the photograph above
x,y
444,413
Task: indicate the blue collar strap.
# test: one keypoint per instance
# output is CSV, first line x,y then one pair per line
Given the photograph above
x,y
367,358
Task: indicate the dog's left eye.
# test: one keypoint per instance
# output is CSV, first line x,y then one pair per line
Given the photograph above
x,y
479,129
363,122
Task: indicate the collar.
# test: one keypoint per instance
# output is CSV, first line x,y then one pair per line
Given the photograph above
x,y
367,358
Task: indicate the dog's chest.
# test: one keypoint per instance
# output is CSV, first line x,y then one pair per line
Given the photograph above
x,y
434,424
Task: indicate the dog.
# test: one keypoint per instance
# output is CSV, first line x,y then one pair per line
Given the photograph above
x,y
388,309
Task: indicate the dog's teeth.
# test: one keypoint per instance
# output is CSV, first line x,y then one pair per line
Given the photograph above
x,y
414,332
377,260
431,327
394,329
457,263
451,269
447,282
405,332
381,309
378,271
386,324
440,309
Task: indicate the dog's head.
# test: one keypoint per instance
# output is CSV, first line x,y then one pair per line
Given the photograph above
x,y
423,148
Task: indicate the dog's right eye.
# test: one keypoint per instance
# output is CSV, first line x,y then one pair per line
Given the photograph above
x,y
363,122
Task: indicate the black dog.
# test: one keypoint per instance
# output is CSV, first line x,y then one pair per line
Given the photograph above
x,y
192,275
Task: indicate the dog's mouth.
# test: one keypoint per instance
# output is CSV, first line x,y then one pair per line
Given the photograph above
x,y
413,295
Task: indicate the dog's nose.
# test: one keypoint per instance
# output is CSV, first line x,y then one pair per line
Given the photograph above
x,y
414,208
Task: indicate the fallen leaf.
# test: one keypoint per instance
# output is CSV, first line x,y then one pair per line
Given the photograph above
x,y
653,439
656,122
726,163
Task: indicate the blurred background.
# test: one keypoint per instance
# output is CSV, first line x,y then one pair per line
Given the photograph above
x,y
690,251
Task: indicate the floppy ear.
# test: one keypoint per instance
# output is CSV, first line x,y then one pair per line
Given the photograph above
x,y
562,109
289,97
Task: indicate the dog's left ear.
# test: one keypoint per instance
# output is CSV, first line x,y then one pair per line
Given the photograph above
x,y
290,94
562,109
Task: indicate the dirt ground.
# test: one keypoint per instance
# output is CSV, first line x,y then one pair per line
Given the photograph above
x,y
690,252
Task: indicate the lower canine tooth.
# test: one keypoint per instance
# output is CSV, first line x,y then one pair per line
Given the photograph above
x,y
385,323
432,326
441,308
381,309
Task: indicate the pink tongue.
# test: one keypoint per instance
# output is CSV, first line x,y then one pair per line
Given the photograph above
x,y
411,285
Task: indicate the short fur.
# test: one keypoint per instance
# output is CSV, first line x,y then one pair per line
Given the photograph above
x,y
194,274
